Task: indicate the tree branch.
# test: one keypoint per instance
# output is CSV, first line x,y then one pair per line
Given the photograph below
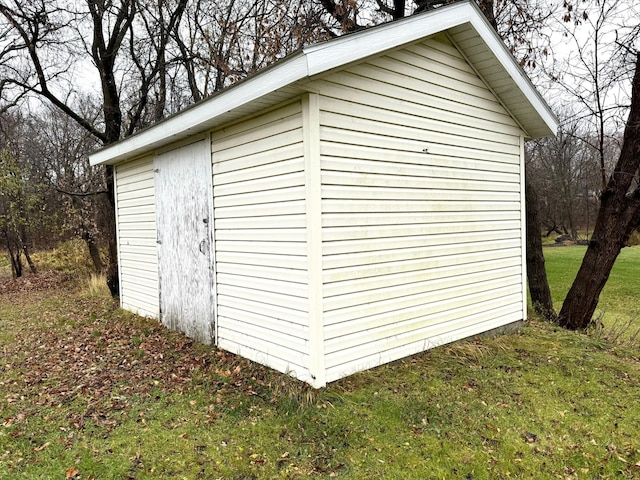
x,y
30,43
81,194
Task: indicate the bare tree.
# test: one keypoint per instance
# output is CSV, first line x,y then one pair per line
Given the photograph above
x,y
58,41
23,193
605,62
222,42
565,171
80,188
536,273
618,216
593,81
149,59
13,212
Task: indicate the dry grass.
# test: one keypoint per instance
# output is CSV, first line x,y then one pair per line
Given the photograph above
x,y
96,286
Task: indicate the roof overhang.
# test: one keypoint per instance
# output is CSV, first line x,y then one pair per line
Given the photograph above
x,y
463,22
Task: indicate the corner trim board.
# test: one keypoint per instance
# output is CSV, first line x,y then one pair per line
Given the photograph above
x,y
313,192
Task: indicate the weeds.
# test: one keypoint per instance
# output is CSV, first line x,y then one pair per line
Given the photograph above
x,y
472,350
69,257
618,332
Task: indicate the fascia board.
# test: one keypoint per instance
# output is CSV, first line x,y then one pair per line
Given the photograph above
x,y
318,59
199,117
310,61
356,46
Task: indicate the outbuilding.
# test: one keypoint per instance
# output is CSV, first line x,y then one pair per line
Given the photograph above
x,y
357,202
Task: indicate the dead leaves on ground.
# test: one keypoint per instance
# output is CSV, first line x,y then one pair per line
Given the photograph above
x,y
72,472
104,360
29,283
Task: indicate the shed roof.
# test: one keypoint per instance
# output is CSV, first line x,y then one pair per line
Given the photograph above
x,y
463,22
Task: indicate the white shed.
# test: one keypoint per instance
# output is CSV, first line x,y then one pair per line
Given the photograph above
x,y
360,201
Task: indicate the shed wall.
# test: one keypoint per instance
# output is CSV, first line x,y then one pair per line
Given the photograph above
x,y
136,230
419,249
260,240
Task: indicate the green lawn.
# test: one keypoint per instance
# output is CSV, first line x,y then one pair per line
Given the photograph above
x,y
619,303
88,391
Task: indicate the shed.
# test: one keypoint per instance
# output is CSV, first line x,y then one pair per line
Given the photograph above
x,y
357,202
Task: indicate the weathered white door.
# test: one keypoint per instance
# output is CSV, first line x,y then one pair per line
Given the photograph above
x,y
183,211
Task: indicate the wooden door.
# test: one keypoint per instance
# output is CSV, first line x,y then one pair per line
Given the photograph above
x,y
184,221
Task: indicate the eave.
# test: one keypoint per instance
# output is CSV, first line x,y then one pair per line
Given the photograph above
x,y
286,79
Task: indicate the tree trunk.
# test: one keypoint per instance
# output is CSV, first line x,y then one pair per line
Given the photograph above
x,y
536,273
25,250
14,255
488,9
113,279
16,263
618,217
552,229
94,251
32,265
604,247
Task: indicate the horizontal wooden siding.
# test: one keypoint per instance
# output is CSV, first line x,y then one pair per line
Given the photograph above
x,y
260,240
421,207
136,215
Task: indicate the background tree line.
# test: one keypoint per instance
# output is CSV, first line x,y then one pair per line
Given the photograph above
x,y
566,174
106,69
75,76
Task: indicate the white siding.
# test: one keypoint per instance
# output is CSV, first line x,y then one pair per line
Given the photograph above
x,y
137,249
421,207
260,240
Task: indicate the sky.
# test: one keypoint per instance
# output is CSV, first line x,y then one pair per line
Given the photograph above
x,y
588,60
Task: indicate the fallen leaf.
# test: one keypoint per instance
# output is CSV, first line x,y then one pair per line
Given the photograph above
x,y
42,447
72,472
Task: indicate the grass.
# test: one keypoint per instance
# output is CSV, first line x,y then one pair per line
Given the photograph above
x,y
70,257
89,391
618,306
